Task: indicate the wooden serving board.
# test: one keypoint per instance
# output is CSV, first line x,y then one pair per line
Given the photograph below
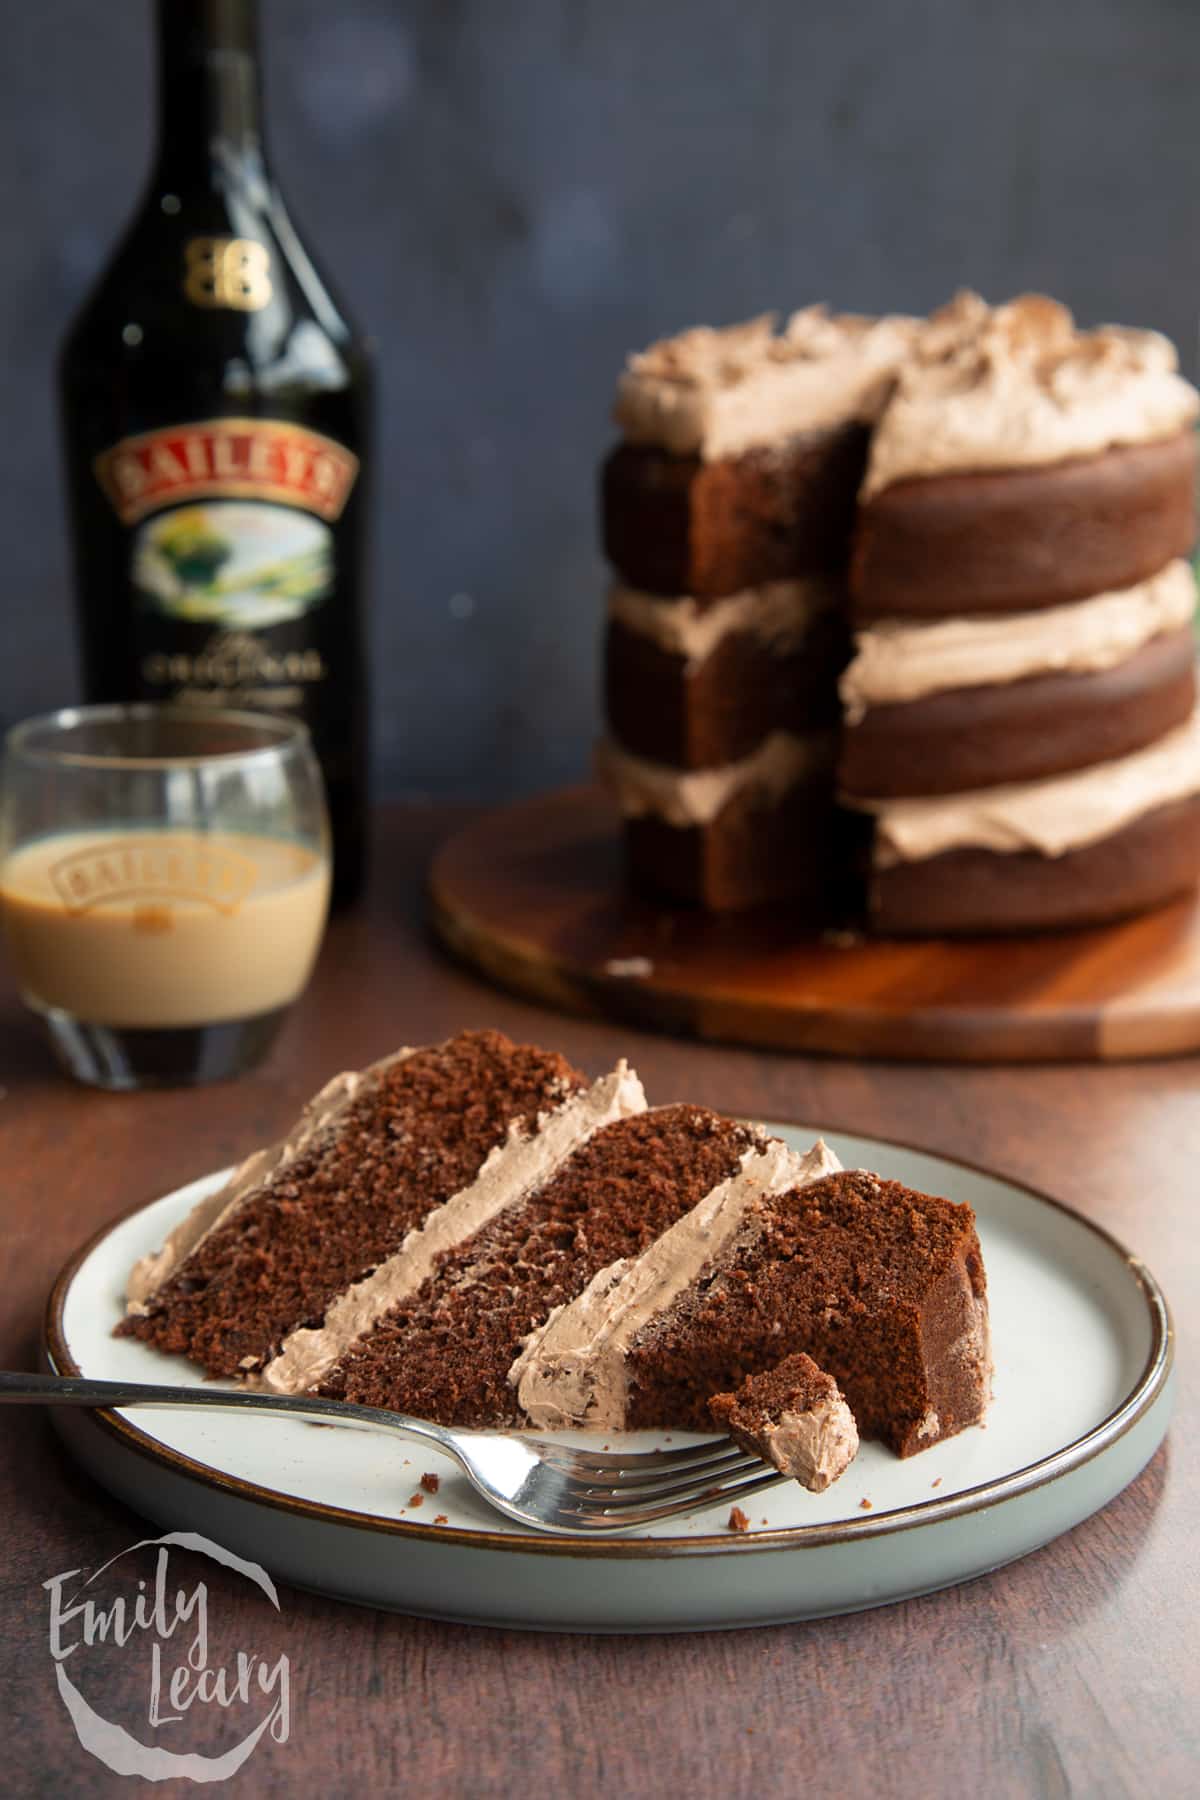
x,y
533,896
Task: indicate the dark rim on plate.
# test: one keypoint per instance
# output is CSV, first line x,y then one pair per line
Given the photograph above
x,y
1142,1396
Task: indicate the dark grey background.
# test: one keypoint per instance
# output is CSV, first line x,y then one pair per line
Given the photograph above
x,y
513,193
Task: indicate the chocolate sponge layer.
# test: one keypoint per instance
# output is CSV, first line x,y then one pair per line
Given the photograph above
x,y
1013,541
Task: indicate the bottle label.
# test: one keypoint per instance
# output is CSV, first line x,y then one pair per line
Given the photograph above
x,y
260,458
231,558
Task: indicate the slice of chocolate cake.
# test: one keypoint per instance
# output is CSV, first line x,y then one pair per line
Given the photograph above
x,y
793,1416
445,1351
418,1150
883,1287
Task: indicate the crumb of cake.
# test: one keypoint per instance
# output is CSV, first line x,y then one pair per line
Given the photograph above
x,y
416,1499
738,1520
431,1483
936,1483
629,968
865,1504
440,1519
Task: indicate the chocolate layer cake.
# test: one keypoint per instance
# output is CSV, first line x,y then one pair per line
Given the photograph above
x,y
417,1150
883,1287
793,1416
446,1351
727,513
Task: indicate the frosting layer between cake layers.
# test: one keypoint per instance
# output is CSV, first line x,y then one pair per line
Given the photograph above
x,y
901,660
572,1370
780,612
696,797
1051,817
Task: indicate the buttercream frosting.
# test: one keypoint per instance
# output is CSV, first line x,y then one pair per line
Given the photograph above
x,y
687,797
1019,386
778,612
1052,816
319,1115
572,1369
716,393
899,660
814,1446
512,1171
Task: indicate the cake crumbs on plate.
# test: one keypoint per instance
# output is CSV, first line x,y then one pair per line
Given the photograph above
x,y
629,968
737,1520
936,1483
417,1499
431,1482
440,1519
865,1504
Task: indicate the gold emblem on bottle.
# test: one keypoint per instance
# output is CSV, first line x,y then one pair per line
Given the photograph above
x,y
227,272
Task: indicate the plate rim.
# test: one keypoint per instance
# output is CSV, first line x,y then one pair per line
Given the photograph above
x,y
1145,1391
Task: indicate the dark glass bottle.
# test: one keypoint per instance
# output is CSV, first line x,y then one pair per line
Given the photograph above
x,y
215,412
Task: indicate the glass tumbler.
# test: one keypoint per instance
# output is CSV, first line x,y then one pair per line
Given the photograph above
x,y
164,883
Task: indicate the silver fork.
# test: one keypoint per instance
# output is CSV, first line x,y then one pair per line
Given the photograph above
x,y
536,1481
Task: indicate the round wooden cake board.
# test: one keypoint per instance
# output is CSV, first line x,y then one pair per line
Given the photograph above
x,y
533,895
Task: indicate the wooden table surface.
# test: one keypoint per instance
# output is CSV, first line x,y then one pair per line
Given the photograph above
x,y
1074,1672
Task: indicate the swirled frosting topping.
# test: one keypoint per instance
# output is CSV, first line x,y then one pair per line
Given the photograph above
x,y
1019,386
720,392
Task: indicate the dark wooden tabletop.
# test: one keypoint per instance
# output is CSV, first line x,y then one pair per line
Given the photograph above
x,y
1074,1672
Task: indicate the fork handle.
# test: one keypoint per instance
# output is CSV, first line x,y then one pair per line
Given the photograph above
x,y
18,1387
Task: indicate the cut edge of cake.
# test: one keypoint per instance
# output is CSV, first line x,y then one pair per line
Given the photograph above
x,y
571,1372
512,1172
319,1114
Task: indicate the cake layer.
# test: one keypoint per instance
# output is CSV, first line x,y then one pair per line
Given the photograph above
x,y
1020,386
752,854
678,525
898,660
773,669
445,1352
793,1416
883,1287
719,393
1145,864
1022,730
301,1224
1016,540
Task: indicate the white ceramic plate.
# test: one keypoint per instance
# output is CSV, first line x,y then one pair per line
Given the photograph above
x,y
1083,1352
